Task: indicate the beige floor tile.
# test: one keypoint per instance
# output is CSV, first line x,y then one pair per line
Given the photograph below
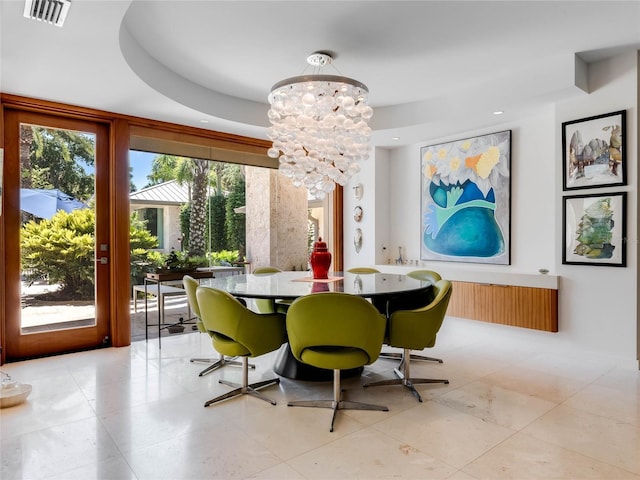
x,y
150,424
608,402
526,457
495,404
624,380
112,469
55,450
292,431
279,472
203,453
43,411
569,365
371,454
449,435
595,436
533,382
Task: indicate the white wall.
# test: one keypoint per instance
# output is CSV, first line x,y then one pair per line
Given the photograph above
x,y
598,308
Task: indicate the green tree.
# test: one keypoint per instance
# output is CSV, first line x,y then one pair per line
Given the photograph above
x,y
61,159
217,233
199,173
163,169
195,173
235,222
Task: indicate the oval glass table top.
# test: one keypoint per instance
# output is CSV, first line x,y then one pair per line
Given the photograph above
x,y
291,285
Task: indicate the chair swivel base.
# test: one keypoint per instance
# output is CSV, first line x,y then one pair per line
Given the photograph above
x,y
216,364
404,377
413,357
337,403
245,388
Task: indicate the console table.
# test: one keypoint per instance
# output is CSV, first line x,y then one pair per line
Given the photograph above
x,y
160,290
518,299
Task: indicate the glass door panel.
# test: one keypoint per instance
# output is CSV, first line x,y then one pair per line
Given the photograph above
x,y
57,235
57,228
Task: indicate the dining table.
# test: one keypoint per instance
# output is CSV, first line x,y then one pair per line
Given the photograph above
x,y
289,285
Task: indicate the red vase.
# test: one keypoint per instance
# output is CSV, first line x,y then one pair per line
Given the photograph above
x,y
320,260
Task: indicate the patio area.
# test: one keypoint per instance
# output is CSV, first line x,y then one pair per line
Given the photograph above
x,y
44,314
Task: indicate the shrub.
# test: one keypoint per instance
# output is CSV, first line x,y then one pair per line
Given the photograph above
x,y
63,250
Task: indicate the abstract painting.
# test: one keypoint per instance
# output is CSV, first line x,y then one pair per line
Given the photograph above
x,y
466,200
594,230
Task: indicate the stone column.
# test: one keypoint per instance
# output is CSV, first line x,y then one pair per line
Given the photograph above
x,y
277,227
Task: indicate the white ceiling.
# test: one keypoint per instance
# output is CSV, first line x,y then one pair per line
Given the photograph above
x,y
433,68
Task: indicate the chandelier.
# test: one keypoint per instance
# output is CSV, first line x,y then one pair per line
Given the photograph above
x,y
319,127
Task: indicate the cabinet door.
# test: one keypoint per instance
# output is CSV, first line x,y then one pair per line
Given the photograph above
x,y
527,307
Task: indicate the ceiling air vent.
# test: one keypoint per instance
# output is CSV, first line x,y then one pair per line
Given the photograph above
x,y
48,11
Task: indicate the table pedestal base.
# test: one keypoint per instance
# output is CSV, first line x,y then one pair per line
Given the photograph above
x,y
289,367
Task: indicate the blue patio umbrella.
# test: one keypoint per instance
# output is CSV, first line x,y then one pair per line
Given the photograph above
x,y
45,203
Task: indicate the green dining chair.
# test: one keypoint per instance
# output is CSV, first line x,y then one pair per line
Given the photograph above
x,y
411,302
335,331
379,302
190,286
236,331
363,270
266,305
415,330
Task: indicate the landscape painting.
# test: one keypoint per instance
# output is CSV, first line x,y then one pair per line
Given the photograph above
x,y
593,151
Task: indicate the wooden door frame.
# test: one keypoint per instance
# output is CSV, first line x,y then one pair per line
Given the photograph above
x,y
37,344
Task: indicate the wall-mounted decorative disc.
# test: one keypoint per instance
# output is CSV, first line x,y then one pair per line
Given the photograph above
x,y
358,190
357,213
357,240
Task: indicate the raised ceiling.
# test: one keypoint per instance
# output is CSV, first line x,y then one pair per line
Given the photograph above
x,y
434,68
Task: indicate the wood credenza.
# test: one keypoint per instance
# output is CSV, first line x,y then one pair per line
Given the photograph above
x,y
527,300
526,307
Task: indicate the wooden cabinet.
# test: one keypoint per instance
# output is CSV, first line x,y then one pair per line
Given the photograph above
x,y
527,307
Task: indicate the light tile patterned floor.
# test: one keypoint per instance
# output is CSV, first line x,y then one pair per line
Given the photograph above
x,y
519,405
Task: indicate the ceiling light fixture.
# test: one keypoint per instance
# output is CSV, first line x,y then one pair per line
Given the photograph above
x,y
53,12
319,127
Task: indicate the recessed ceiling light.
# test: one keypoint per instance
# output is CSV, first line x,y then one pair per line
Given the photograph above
x,y
204,121
498,112
395,138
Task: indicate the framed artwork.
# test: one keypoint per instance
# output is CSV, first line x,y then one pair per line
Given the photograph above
x,y
594,152
466,200
595,229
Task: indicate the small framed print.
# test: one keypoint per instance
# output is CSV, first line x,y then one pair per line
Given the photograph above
x,y
594,151
595,230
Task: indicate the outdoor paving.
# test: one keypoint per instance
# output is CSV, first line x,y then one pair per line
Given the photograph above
x,y
39,316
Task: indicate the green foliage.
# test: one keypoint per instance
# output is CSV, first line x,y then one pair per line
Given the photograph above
x,y
224,256
185,216
182,262
63,249
163,169
236,222
218,238
143,258
57,159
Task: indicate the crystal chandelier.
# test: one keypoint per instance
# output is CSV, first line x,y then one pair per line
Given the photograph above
x,y
319,127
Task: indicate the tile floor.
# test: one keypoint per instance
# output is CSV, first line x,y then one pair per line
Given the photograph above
x,y
519,405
